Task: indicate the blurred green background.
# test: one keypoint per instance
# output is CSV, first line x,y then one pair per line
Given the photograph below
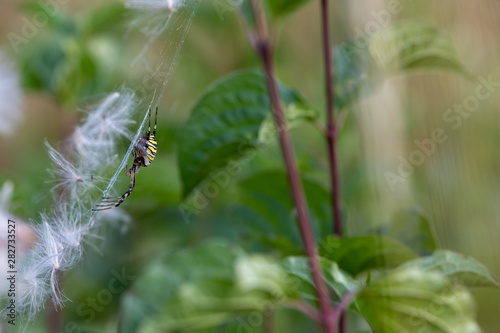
x,y
457,188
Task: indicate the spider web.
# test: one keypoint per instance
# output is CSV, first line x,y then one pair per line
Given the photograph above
x,y
167,27
164,25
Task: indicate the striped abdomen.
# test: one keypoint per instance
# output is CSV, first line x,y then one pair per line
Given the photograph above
x,y
151,147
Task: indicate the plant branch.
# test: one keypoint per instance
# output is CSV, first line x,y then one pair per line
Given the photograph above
x,y
264,49
340,309
332,130
331,126
305,308
268,325
54,313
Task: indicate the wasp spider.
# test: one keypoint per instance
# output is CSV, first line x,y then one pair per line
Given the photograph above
x,y
144,153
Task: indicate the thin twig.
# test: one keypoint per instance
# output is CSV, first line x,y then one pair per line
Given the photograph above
x,y
342,307
54,313
330,111
268,325
332,131
264,49
343,322
319,125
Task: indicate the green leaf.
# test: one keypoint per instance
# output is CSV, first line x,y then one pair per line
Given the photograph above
x,y
412,229
57,19
66,66
274,8
271,214
457,267
410,46
362,253
283,7
227,123
414,300
401,47
201,288
357,75
338,281
74,75
296,114
60,66
103,19
39,62
240,326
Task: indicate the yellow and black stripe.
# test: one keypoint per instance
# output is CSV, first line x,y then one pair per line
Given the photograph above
x,y
151,145
150,150
144,153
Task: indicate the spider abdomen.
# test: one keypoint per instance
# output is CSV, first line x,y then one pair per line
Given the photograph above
x,y
145,150
150,150
144,153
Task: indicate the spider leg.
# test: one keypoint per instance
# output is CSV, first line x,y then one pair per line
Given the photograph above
x,y
149,126
110,199
129,171
110,202
156,118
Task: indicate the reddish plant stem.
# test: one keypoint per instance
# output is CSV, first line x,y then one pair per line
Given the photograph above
x,y
268,325
343,322
264,48
305,308
54,313
297,190
331,136
340,310
331,127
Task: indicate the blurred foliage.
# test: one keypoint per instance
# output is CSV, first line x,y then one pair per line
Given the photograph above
x,y
412,229
412,300
228,123
280,7
270,217
359,254
457,267
201,288
356,73
339,281
408,46
71,60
